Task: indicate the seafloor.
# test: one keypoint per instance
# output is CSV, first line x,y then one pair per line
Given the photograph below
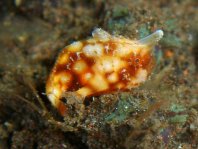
x,y
160,114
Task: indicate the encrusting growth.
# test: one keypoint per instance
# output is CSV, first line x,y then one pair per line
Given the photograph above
x,y
101,64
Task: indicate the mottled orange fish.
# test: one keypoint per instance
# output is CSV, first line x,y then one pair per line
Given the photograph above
x,y
101,64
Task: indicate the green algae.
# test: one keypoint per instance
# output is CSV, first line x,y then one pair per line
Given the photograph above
x,y
120,11
143,31
177,108
119,18
179,117
126,105
171,40
170,24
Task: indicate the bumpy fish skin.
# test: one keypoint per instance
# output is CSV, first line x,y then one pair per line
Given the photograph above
x,y
101,64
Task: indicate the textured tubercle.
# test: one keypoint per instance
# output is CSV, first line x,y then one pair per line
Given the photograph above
x,y
152,39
